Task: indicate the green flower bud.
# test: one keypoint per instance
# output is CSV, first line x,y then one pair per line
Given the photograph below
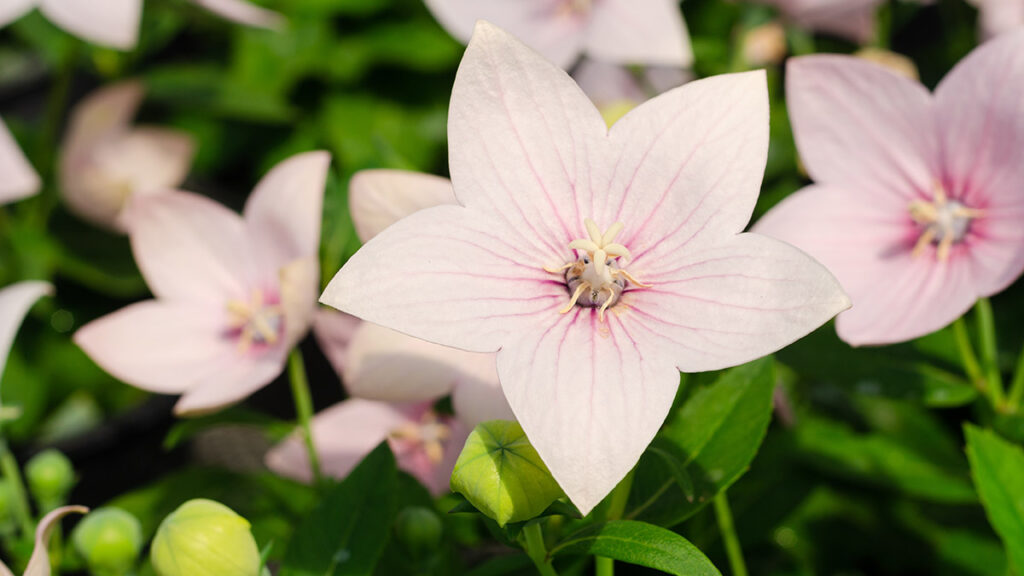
x,y
419,529
205,538
109,539
50,477
500,473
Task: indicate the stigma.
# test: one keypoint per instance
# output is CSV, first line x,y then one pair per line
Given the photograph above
x,y
429,434
596,279
943,222
258,320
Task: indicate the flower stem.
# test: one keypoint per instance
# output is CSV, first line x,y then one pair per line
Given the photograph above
x,y
971,366
304,409
728,529
536,550
616,508
989,351
1017,386
19,505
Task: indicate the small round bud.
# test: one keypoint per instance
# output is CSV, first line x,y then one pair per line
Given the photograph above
x,y
50,477
502,475
205,538
109,539
419,529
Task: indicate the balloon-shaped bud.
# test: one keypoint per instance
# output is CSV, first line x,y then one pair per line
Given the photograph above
x,y
109,539
419,529
205,538
500,473
50,477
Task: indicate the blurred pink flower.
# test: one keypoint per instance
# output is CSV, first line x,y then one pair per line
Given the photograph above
x,y
617,31
113,23
15,302
999,16
588,353
615,89
19,178
917,203
851,19
243,12
106,161
394,379
39,562
233,295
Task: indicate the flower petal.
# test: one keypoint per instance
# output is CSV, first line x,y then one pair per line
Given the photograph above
x,y
105,113
190,248
385,365
11,10
20,179
158,346
379,198
850,19
689,168
15,301
541,24
244,13
334,331
39,563
300,284
862,127
113,23
478,396
623,32
285,210
342,434
590,402
444,275
730,303
999,16
239,377
982,135
523,142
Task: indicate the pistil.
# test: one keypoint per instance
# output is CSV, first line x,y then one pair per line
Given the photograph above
x,y
429,434
943,221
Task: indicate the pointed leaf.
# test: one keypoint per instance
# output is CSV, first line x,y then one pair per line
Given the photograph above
x,y
998,470
639,543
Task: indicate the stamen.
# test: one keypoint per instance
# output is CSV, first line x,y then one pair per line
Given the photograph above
x,y
628,276
255,321
575,297
944,222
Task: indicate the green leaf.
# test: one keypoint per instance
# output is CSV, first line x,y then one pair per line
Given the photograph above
x,y
998,470
500,473
881,460
714,435
639,543
347,532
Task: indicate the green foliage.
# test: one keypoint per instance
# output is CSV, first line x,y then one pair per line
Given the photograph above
x,y
349,529
639,543
998,470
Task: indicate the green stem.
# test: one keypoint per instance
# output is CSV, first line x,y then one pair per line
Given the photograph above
x,y
536,550
616,508
989,351
728,530
1017,386
604,566
19,505
970,360
304,410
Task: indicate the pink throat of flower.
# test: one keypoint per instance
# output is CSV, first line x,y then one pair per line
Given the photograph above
x,y
428,435
942,221
256,322
596,279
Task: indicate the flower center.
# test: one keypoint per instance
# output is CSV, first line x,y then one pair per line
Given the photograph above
x,y
259,320
576,7
943,222
596,279
428,434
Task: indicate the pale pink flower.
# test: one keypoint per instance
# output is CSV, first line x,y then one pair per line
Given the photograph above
x,y
395,379
243,12
918,202
615,89
106,161
19,178
851,19
15,302
113,23
617,31
999,16
233,294
554,208
39,562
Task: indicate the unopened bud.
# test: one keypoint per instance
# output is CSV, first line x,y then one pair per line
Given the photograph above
x,y
50,477
500,473
205,538
765,45
419,529
109,539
